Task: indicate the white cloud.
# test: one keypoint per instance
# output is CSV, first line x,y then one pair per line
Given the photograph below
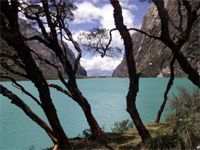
x,y
107,20
125,4
105,16
89,13
116,40
86,13
106,63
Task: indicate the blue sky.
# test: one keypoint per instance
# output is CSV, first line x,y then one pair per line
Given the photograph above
x,y
94,10
99,13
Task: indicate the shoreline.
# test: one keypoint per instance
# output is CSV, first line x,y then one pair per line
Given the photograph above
x,y
80,77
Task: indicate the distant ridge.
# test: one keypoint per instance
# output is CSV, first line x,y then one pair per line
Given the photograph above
x,y
45,52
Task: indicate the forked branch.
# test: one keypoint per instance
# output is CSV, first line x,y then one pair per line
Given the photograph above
x,y
59,75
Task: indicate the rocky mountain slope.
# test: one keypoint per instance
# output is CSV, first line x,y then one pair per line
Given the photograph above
x,y
45,52
152,57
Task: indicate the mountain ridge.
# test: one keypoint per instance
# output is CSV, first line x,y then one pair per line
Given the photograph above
x,y
151,56
27,30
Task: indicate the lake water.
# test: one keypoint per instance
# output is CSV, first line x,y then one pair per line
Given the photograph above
x,y
105,95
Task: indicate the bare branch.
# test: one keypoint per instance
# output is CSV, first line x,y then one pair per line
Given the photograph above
x,y
99,40
110,33
40,39
145,33
175,47
7,67
22,89
50,22
36,16
44,32
76,45
45,60
18,102
164,17
13,57
191,18
59,89
169,85
66,38
59,75
179,27
181,16
61,34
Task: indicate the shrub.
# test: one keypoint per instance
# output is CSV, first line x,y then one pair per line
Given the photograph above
x,y
184,124
185,103
122,126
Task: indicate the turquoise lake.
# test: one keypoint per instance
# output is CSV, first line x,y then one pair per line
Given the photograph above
x,y
107,97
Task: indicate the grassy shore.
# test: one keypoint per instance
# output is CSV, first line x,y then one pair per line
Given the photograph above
x,y
127,140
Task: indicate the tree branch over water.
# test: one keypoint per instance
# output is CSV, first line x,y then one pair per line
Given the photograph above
x,y
18,102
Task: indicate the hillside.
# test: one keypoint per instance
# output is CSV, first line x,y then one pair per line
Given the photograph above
x,y
152,57
49,72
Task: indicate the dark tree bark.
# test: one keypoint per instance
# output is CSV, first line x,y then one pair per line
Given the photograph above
x,y
14,38
175,47
18,102
169,85
52,42
133,76
71,70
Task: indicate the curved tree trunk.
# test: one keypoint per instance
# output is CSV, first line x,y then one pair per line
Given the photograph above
x,y
133,76
71,70
77,95
81,100
96,130
132,109
169,85
193,75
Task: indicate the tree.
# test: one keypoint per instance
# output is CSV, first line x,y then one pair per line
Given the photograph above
x,y
176,40
11,33
99,42
55,14
176,44
133,76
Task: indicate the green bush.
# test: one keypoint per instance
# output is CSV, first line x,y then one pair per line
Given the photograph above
x,y
184,124
122,126
185,103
